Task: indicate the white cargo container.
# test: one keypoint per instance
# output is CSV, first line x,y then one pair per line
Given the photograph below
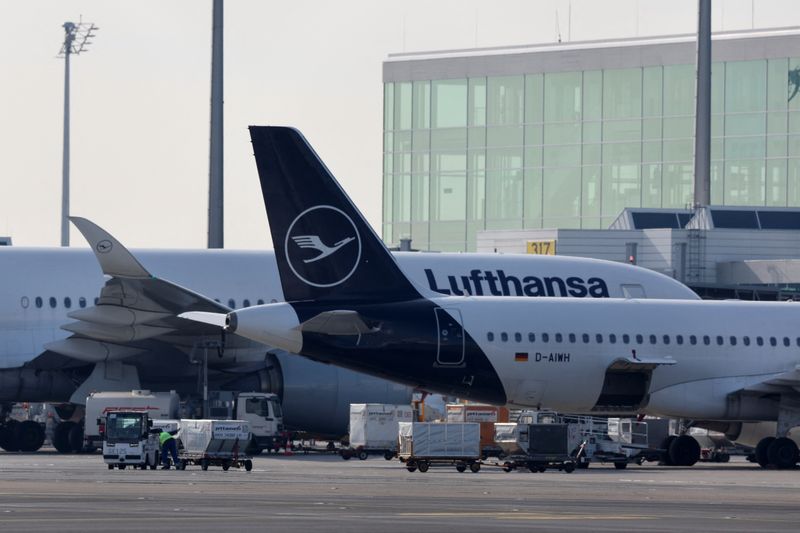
x,y
215,442
425,443
373,428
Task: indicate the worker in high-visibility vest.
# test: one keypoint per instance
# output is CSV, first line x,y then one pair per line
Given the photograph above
x,y
169,446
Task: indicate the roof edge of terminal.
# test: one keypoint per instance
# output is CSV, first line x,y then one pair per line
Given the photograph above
x,y
596,43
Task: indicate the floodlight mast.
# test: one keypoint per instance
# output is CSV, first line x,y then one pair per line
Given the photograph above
x,y
76,40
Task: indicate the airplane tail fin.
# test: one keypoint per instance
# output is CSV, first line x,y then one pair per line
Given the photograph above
x,y
324,247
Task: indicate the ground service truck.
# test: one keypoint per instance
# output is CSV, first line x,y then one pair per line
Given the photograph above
x,y
261,410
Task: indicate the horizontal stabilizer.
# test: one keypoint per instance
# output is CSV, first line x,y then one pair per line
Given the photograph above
x,y
338,322
214,319
633,364
115,333
92,351
114,315
114,258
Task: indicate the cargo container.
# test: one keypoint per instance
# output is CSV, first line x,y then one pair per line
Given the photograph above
x,y
485,415
374,429
214,442
424,444
536,447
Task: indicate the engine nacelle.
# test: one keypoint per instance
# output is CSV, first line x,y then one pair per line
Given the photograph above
x,y
712,399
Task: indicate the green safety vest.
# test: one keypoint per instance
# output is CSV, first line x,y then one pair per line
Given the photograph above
x,y
163,437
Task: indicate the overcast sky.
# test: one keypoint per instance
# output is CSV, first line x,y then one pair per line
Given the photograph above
x,y
140,96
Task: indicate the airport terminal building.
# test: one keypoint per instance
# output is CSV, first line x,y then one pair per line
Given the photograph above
x,y
567,135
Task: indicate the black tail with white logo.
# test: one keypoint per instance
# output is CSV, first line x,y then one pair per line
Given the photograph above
x,y
324,247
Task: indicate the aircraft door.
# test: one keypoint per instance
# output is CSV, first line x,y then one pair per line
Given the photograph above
x,y
450,348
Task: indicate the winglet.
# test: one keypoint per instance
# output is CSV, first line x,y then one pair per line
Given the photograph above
x,y
114,258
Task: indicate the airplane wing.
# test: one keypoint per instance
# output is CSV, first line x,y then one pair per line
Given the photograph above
x,y
136,312
787,383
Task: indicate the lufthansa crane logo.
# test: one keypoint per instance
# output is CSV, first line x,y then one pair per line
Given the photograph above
x,y
323,247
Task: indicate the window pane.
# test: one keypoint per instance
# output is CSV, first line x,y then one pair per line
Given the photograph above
x,y
745,86
562,97
449,103
504,103
477,101
622,93
534,98
421,115
402,106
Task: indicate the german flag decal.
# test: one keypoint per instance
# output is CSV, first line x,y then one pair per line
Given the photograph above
x,y
521,357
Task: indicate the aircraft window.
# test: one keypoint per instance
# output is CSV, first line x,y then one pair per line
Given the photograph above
x,y
599,338
531,337
798,341
746,340
67,302
545,337
25,302
504,337
679,339
518,337
490,336
626,338
639,339
786,341
733,340
82,302
585,337
706,340
559,337
773,341
260,301
652,339
53,302
612,338
572,338
692,340
231,303
38,302
719,340
666,339
246,303
759,341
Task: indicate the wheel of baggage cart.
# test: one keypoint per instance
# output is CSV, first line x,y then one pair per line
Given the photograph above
x,y
508,467
620,465
154,465
411,466
533,468
111,467
388,455
181,464
583,465
121,467
569,467
461,467
475,467
362,454
248,465
346,454
226,465
423,466
541,468
204,464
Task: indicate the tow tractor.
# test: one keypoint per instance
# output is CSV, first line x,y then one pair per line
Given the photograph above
x,y
127,440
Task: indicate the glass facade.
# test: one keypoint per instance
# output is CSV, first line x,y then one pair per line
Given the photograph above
x,y
572,149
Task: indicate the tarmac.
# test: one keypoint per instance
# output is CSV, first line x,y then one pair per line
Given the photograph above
x,y
46,491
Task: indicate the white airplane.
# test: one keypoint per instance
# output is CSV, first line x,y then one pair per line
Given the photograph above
x,y
66,331
724,361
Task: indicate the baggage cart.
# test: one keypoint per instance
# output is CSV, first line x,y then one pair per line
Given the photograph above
x,y
537,447
426,444
214,443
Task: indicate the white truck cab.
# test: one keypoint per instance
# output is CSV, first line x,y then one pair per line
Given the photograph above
x,y
127,440
261,409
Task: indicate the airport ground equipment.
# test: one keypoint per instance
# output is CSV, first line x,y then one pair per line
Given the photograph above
x,y
157,405
426,444
374,429
485,415
262,410
214,443
128,439
537,447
